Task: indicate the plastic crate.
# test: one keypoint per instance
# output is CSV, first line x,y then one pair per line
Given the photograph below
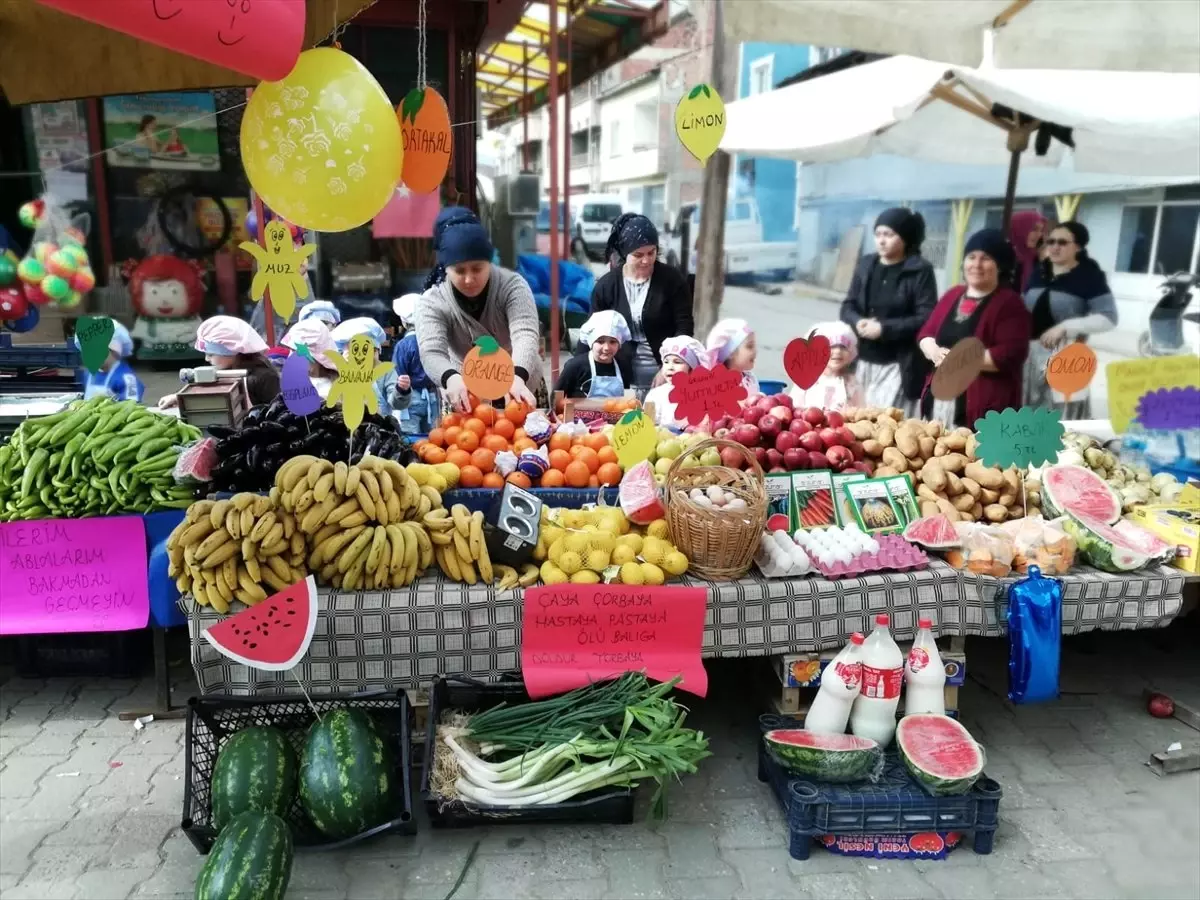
x,y
772,387
211,720
110,654
896,804
611,806
481,499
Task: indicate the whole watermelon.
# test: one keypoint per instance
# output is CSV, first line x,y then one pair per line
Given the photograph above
x,y
347,777
250,860
255,771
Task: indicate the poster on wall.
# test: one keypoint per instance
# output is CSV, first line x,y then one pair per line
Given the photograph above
x,y
162,131
60,137
210,222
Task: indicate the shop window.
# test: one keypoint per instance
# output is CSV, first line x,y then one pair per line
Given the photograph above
x,y
614,138
1161,238
762,75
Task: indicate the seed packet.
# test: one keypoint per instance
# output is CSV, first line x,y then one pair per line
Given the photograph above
x,y
874,509
906,503
779,502
812,499
842,510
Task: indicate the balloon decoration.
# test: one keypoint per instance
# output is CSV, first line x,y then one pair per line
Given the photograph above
x,y
55,270
425,125
322,147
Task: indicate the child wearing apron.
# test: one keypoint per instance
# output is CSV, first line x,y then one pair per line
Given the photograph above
x,y
596,373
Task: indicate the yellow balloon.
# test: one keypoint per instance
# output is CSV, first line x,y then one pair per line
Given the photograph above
x,y
323,147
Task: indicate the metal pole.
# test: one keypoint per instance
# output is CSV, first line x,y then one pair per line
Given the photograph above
x,y
710,256
268,313
567,135
554,161
525,106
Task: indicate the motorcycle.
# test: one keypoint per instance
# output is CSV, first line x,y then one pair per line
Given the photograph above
x,y
1165,336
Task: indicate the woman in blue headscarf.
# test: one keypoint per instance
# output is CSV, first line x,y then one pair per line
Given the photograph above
x,y
115,378
652,296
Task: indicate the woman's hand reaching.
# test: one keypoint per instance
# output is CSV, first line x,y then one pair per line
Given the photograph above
x,y
1052,337
170,401
519,393
456,394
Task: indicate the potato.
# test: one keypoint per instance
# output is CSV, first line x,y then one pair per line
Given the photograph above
x,y
954,441
896,413
934,475
862,430
946,508
1012,480
895,459
972,446
915,465
1007,499
886,435
927,444
994,512
929,508
925,492
906,441
987,496
872,448
953,462
1034,499
970,486
963,502
884,471
986,477
954,485
933,429
964,431
940,448
977,511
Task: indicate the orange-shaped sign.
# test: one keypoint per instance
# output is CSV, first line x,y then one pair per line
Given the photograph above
x,y
425,125
488,369
1071,369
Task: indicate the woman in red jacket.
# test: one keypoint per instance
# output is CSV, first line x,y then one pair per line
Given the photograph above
x,y
985,308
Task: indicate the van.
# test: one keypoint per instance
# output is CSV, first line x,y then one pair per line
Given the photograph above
x,y
594,215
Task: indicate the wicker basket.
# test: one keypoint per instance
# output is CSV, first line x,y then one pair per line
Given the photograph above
x,y
719,544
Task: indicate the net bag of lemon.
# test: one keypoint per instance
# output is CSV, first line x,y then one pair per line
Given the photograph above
x,y
591,546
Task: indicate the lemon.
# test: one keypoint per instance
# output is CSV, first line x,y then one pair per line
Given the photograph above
x,y
622,554
573,518
633,541
602,540
654,550
631,573
675,563
551,533
418,472
585,576
555,550
449,471
570,562
438,482
612,522
658,528
577,541
653,574
540,552
552,574
597,560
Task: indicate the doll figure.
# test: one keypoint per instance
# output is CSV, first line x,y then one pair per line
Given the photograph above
x,y
167,294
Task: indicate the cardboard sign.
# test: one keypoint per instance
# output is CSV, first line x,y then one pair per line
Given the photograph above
x,y
706,392
488,370
1029,436
254,37
357,373
700,121
1131,379
1170,409
93,334
428,137
805,359
280,268
961,366
634,438
575,634
299,394
73,575
1071,369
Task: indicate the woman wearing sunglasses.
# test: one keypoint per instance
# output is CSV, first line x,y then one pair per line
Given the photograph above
x,y
1068,299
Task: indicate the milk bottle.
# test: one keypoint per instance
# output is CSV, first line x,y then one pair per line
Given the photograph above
x,y
874,712
924,675
830,710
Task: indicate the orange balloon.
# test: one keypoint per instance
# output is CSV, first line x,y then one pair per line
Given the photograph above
x,y
425,127
1071,369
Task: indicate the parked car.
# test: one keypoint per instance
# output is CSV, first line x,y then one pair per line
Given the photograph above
x,y
747,255
594,215
565,228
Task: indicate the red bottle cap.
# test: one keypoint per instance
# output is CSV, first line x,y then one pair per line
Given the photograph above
x,y
856,638
881,619
925,623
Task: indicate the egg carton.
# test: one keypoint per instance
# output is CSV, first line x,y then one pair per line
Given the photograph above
x,y
775,565
895,554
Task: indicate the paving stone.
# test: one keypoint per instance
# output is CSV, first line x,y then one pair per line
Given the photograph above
x,y
1044,831
55,869
515,875
692,852
764,874
326,873
719,888
636,875
114,883
19,777
439,866
468,890
376,878
58,744
577,889
18,841
834,887
895,880
1085,879
137,836
57,797
750,824
1028,883
960,882
513,839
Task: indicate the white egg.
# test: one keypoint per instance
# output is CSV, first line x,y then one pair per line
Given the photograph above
x,y
736,503
695,494
783,541
715,493
800,558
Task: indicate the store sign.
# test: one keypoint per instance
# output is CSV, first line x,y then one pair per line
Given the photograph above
x,y
706,393
73,575
1029,436
575,634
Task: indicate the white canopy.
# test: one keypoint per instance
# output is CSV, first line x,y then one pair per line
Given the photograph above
x,y
1132,123
1114,35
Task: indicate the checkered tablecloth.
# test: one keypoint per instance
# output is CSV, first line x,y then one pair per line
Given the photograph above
x,y
393,639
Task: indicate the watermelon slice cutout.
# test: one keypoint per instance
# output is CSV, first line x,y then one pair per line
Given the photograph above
x,y
1079,492
272,635
933,533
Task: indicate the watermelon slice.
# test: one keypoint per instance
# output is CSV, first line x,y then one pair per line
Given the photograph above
x,y
825,757
272,635
940,753
1079,492
933,533
1123,547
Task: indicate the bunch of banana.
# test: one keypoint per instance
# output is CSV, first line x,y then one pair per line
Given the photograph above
x,y
370,557
240,549
462,553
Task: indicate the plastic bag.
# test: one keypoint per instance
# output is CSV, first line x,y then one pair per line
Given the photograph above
x,y
986,550
640,498
56,269
1041,543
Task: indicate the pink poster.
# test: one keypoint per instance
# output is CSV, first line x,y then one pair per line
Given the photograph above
x,y
73,575
261,38
574,634
407,215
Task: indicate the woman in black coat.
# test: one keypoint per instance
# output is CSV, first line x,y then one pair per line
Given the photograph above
x,y
652,296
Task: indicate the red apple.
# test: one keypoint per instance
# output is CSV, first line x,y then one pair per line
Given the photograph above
x,y
814,416
830,438
760,456
721,433
861,466
839,457
1161,706
799,426
746,435
774,470
732,458
782,413
786,441
811,441
848,437
782,400
754,398
795,459
769,427
751,414
856,448
817,460
774,457
834,419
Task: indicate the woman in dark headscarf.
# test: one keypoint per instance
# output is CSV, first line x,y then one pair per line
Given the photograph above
x,y
652,296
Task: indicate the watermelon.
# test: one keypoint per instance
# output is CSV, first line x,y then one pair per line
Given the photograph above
x,y
1123,547
256,770
347,777
1076,491
940,753
251,859
272,635
825,757
933,533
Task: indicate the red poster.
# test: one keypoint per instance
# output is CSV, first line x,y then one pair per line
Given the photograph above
x,y
706,393
575,634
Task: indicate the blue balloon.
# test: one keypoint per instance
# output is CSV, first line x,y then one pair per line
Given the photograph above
x,y
1034,637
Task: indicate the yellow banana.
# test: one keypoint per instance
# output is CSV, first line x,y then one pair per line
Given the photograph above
x,y
462,547
323,486
274,535
435,499
397,538
356,549
462,519
372,484
328,573
199,592
365,503
297,544
382,514
353,478
508,577
382,568
424,545
316,469
274,496
278,566
303,501
216,516
342,511
219,555
243,500
262,505
357,518
229,571
325,533
273,581
529,575
475,538
328,549
318,514
484,562
440,538
233,522
340,469
292,471
195,533
199,510
211,543
378,544
386,488
448,563
246,521
252,567
262,527
183,583
268,550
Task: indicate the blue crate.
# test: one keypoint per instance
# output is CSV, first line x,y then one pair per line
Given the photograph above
x,y
896,804
772,387
481,499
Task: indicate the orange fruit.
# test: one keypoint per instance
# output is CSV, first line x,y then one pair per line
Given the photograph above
x,y
516,413
470,477
553,478
505,429
493,480
522,444
468,440
494,442
559,459
450,420
476,425
609,473
593,481
577,474
483,459
595,440
419,447
576,449
435,455
560,441
485,413
520,479
518,434
451,435
607,455
458,457
589,458
437,437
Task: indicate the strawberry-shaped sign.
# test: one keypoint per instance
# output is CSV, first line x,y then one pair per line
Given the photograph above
x,y
805,359
703,393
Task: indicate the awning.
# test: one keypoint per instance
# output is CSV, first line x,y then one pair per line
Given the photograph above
x,y
47,55
513,75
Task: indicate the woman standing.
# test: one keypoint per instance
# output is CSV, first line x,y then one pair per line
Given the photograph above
x,y
890,298
652,296
988,309
1027,230
467,297
1068,298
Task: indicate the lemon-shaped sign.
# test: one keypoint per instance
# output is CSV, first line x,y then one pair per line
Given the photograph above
x,y
634,438
700,121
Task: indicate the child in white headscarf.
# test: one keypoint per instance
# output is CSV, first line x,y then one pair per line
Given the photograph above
x,y
229,343
313,334
323,311
836,387
731,344
679,354
596,374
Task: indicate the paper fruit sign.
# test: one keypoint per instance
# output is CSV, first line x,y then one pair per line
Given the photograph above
x,y
804,359
93,334
357,373
1029,436
488,369
1170,409
280,268
634,438
700,121
708,393
299,394
272,635
1071,369
425,127
961,366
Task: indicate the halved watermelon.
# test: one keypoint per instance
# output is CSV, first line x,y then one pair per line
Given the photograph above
x,y
933,533
1123,547
272,635
1079,492
940,753
825,757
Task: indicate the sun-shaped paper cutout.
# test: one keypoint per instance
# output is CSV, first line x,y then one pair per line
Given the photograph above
x,y
280,268
357,373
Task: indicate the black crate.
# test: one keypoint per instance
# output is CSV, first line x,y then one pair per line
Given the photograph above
x,y
896,804
212,720
110,654
610,806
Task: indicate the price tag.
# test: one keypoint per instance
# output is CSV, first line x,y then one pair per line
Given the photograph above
x,y
488,370
1131,379
700,121
634,438
299,394
357,373
280,268
1170,409
94,334
1029,436
706,392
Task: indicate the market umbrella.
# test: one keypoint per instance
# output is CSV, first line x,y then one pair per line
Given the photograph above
x,y
1116,35
48,55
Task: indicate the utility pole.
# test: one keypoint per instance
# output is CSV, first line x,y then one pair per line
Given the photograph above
x,y
710,256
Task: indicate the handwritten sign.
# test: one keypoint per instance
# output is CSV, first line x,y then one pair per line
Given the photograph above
x,y
1131,379
488,370
700,121
574,634
959,368
357,373
706,392
1029,436
73,575
280,268
299,394
428,137
634,438
94,334
1071,369
261,39
805,359
1170,409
